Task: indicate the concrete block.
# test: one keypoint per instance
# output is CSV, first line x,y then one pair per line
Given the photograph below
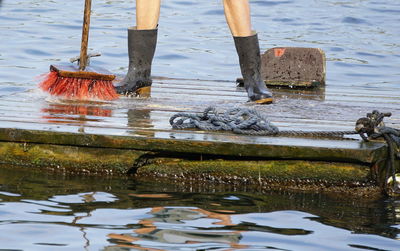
x,y
293,67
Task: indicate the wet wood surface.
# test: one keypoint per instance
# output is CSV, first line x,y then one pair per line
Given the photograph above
x,y
324,108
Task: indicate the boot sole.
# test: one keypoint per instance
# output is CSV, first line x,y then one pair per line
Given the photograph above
x,y
264,101
144,92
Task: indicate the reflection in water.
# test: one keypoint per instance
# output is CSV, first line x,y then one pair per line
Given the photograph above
x,y
64,112
92,213
317,93
79,113
150,230
74,112
140,119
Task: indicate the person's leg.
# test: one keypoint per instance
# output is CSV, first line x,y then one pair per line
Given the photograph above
x,y
142,41
237,13
147,14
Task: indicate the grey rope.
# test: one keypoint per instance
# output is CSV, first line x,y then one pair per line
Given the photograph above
x,y
241,121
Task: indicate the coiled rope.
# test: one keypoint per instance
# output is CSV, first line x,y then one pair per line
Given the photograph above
x,y
241,121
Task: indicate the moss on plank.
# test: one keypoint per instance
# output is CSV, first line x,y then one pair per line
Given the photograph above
x,y
279,170
69,158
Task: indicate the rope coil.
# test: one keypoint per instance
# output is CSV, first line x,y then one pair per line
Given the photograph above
x,y
241,121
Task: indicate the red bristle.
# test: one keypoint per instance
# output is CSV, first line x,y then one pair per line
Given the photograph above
x,y
60,87
55,83
76,88
89,91
99,88
70,90
72,87
94,89
108,90
80,89
55,87
48,81
111,93
84,89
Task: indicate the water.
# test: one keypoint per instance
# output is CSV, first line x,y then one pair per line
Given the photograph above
x,y
54,212
360,38
57,212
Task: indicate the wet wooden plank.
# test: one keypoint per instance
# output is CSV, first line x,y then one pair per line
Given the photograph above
x,y
329,108
161,121
226,145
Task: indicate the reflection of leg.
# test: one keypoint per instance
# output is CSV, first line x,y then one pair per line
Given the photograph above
x,y
237,13
140,123
225,219
123,237
139,118
142,42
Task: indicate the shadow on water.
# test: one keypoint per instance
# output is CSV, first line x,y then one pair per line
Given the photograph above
x,y
122,214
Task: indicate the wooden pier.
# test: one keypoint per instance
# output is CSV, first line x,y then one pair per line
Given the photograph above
x,y
133,135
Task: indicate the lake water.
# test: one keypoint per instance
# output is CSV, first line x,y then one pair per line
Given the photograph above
x,y
55,212
359,37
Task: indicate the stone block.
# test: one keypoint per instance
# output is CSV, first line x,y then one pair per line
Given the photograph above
x,y
293,67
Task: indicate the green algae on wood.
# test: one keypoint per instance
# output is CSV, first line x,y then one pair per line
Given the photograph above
x,y
70,158
117,161
358,152
243,163
296,170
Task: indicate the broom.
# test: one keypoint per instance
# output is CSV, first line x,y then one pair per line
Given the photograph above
x,y
80,81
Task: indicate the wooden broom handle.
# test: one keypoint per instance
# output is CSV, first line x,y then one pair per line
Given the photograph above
x,y
83,59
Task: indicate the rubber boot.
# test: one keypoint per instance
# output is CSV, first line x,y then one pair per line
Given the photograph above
x,y
141,48
248,51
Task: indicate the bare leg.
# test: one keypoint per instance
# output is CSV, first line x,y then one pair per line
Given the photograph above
x,y
237,13
147,14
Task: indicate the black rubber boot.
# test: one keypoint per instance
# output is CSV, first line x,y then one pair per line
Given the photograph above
x,y
141,48
248,51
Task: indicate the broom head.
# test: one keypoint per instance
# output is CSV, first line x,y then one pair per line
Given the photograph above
x,y
69,82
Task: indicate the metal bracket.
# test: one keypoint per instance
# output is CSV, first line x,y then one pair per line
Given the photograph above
x,y
90,55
